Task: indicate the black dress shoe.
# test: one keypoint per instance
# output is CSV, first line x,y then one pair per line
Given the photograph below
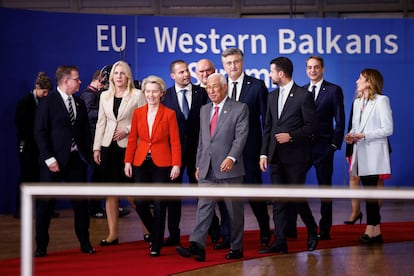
x,y
312,243
123,211
234,254
265,240
171,242
40,253
154,253
107,243
324,237
274,248
88,249
197,252
222,245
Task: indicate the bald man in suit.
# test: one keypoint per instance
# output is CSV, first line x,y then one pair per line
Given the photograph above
x,y
224,127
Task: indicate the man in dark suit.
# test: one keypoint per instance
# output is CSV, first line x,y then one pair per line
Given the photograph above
x,y
327,138
286,148
224,127
252,92
186,99
24,121
63,137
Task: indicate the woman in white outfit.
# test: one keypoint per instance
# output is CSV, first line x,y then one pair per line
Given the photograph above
x,y
372,123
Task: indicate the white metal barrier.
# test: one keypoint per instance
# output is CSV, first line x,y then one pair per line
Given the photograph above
x,y
31,190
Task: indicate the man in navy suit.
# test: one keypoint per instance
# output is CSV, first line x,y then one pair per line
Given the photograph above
x,y
186,99
252,92
328,135
286,149
63,136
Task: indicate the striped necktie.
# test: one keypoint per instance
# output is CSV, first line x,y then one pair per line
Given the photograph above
x,y
72,121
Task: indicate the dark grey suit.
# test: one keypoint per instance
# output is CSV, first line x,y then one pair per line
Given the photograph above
x,y
228,140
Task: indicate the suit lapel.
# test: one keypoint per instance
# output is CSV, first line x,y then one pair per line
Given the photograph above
x,y
226,109
366,113
288,101
124,104
245,87
321,94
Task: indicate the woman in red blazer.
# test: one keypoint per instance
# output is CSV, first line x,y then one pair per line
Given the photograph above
x,y
153,155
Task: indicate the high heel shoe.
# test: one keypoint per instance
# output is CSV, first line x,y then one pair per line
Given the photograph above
x,y
359,217
147,237
107,243
371,240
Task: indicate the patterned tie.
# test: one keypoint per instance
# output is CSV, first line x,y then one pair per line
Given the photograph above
x,y
314,91
213,121
234,92
185,110
72,119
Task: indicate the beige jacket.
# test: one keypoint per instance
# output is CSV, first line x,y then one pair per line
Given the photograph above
x,y
107,123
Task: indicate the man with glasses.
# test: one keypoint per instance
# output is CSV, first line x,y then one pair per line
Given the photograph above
x,y
63,137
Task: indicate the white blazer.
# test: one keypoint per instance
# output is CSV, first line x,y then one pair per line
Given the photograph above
x,y
371,155
107,122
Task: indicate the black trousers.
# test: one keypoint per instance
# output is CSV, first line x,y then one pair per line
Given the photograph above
x,y
290,174
74,171
148,172
371,205
322,161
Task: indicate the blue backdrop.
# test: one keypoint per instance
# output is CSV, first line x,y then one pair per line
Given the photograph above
x,y
35,41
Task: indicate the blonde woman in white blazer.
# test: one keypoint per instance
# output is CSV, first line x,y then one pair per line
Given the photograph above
x,y
116,106
372,123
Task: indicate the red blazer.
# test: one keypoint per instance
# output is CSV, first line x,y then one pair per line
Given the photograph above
x,y
164,144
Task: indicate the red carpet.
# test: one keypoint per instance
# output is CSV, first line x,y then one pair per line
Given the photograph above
x,y
132,258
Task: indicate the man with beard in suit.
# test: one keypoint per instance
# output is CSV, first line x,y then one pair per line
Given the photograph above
x,y
286,149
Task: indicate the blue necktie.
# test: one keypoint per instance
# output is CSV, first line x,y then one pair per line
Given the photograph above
x,y
185,110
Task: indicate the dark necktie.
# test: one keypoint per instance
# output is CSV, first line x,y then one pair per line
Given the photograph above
x,y
213,121
185,110
72,119
234,92
314,92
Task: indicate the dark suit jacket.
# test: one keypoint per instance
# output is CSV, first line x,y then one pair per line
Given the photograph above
x,y
54,132
254,93
188,128
329,106
24,121
91,98
28,152
297,119
164,142
229,139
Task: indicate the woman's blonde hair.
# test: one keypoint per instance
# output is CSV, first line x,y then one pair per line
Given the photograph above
x,y
156,80
375,81
128,73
